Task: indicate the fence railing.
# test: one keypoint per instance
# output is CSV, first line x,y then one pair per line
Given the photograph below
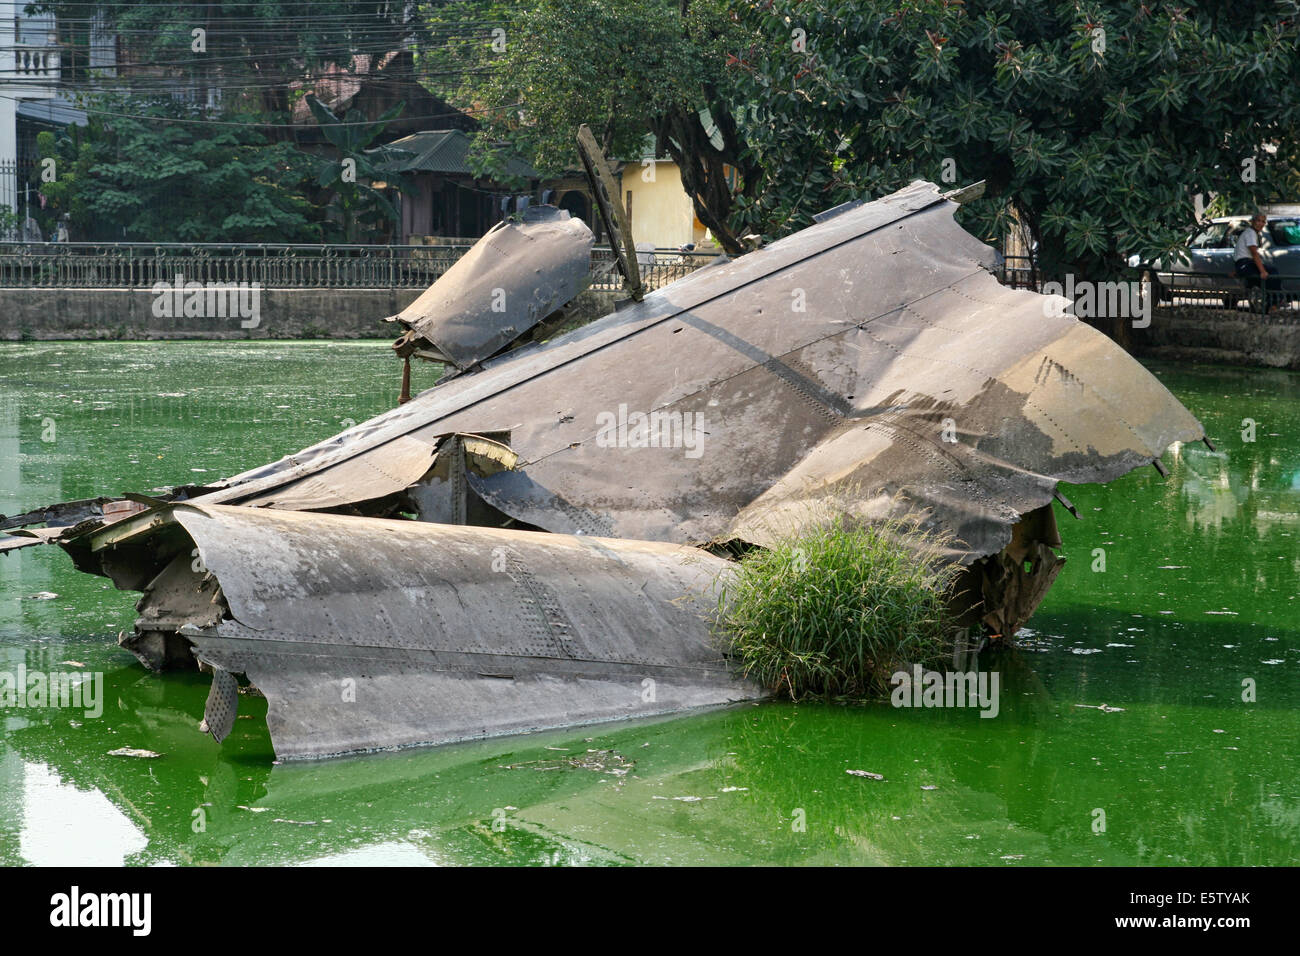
x,y
16,193
1281,295
130,265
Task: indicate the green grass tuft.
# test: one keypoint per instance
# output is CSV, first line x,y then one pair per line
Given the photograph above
x,y
835,610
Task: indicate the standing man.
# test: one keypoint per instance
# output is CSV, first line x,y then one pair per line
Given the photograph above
x,y
1250,264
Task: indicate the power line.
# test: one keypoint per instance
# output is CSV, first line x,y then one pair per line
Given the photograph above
x,y
256,123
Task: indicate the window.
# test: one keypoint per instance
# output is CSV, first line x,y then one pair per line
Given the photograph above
x,y
1285,232
1213,236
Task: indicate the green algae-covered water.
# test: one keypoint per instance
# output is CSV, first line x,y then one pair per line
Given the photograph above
x,y
1150,715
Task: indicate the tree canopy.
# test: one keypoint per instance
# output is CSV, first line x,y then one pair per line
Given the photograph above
x,y
150,180
1094,123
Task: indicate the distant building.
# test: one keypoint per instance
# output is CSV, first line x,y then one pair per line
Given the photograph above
x,y
658,207
451,201
373,84
29,70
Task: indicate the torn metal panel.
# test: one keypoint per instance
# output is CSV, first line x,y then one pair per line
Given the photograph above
x,y
867,365
365,633
508,282
605,192
831,366
395,467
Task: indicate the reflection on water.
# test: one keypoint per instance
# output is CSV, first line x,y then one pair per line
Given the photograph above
x,y
1126,696
64,826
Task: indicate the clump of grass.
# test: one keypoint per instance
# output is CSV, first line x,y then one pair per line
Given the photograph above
x,y
834,610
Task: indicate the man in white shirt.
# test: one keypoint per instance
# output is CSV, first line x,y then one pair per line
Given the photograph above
x,y
1250,265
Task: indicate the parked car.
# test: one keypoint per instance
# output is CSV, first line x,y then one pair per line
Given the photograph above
x,y
1205,270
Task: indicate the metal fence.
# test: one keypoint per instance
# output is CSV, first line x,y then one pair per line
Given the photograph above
x,y
16,193
656,268
1187,289
136,265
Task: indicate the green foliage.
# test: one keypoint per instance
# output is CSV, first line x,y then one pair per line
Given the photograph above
x,y
65,192
612,65
649,77
345,174
1099,141
152,180
250,49
188,174
837,609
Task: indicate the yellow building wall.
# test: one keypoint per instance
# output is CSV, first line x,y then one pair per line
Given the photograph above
x,y
662,212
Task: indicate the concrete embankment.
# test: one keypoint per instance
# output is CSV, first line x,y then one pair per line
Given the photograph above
x,y
44,314
1196,334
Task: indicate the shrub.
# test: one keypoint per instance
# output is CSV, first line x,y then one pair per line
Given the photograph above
x,y
835,610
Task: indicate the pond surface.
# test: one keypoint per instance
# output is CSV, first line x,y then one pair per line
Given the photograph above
x,y
1123,705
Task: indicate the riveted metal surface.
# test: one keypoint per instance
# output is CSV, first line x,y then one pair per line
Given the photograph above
x,y
366,633
222,705
511,279
822,368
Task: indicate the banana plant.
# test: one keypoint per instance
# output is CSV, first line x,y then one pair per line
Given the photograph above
x,y
349,176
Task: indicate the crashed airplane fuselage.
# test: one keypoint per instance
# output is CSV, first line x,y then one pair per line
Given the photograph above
x,y
568,494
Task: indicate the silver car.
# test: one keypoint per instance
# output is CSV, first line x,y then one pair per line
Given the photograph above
x,y
1206,269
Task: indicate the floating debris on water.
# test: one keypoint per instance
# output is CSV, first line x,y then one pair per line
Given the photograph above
x,y
601,761
866,773
687,799
134,752
42,596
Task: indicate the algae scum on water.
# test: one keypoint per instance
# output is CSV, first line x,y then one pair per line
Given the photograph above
x,y
1124,695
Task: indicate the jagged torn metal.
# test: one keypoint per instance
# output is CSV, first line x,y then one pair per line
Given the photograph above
x,y
869,363
369,634
508,282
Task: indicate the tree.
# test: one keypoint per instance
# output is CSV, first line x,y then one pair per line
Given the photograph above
x,y
251,51
65,191
1095,122
160,160
151,180
345,175
630,70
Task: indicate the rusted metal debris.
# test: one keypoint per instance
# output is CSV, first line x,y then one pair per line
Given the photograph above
x,y
869,365
508,282
366,633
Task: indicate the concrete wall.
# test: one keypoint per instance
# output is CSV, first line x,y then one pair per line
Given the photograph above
x,y
281,314
662,212
1193,334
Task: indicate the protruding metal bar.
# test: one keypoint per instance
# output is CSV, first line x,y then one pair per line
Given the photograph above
x,y
1065,503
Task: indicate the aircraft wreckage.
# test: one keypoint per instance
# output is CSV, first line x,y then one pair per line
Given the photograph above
x,y
535,541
